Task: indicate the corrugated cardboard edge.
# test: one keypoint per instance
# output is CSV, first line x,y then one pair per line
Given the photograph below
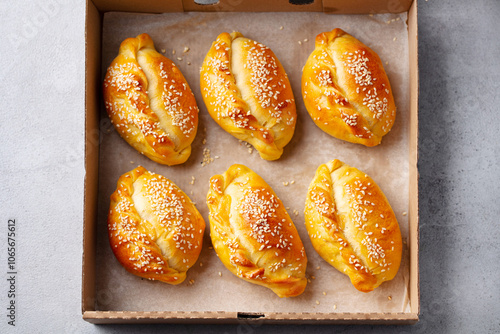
x,y
110,317
92,88
92,137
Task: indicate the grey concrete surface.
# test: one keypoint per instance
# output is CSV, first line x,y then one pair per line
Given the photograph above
x,y
41,168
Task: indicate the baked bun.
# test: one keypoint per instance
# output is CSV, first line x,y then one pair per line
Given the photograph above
x,y
247,92
252,233
352,226
150,103
155,230
346,90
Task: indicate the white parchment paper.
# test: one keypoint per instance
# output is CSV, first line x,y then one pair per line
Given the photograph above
x,y
291,36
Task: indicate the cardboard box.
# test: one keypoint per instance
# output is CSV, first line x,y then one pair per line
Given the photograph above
x,y
93,33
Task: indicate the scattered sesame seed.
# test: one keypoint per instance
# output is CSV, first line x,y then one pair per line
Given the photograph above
x,y
389,297
394,39
324,293
220,274
179,58
173,52
335,306
292,182
189,63
186,49
163,50
285,184
317,302
305,39
281,28
300,42
405,213
201,264
207,159
131,162
318,267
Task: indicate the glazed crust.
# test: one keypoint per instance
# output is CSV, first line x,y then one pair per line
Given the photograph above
x,y
253,234
247,92
150,103
352,226
346,90
155,231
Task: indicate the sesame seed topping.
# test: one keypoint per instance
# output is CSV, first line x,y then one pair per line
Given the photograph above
x,y
357,65
325,78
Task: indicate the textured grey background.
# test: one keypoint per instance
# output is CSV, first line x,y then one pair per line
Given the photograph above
x,y
41,168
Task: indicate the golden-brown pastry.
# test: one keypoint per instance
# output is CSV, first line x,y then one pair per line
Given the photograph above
x,y
247,92
352,226
252,233
150,103
346,90
155,230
